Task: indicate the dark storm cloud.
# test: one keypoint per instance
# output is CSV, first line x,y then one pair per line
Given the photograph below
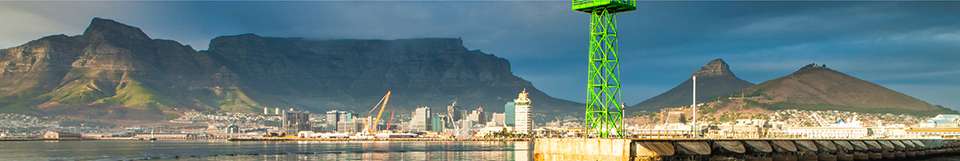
x,y
911,47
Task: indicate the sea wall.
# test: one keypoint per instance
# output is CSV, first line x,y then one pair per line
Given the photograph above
x,y
742,149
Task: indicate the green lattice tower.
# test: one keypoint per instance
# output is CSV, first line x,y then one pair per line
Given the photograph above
x,y
603,112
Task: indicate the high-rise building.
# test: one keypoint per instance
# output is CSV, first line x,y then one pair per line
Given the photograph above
x,y
421,120
438,123
266,111
499,119
509,114
334,117
455,112
478,116
294,122
524,117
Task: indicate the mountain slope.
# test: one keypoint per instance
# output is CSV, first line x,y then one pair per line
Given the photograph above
x,y
116,71
713,80
323,75
820,88
113,70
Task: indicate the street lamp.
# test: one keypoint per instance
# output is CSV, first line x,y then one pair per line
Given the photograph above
x,y
623,116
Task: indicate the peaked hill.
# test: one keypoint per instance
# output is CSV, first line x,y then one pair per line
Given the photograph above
x,y
819,88
713,80
116,71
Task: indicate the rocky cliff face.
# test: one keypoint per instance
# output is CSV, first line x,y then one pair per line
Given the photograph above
x,y
116,71
354,74
713,80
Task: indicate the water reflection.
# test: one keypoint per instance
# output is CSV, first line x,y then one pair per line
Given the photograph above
x,y
301,150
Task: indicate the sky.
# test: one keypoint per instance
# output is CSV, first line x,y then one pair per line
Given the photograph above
x,y
909,47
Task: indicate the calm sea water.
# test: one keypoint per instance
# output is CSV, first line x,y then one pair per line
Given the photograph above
x,y
250,150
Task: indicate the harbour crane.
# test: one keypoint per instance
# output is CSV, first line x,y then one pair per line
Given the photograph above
x,y
367,129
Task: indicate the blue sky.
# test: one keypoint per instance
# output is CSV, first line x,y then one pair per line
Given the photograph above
x,y
910,47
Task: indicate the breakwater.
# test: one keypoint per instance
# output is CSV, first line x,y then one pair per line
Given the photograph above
x,y
743,149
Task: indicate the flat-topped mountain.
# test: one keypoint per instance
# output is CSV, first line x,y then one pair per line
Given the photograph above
x,y
713,80
116,71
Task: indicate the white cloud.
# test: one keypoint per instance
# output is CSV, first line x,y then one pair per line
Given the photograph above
x,y
21,26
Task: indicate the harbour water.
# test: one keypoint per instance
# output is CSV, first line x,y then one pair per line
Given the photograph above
x,y
264,150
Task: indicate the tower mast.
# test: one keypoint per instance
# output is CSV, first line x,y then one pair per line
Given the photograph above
x,y
694,100
603,112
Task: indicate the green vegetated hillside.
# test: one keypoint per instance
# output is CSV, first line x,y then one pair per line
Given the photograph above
x,y
113,71
819,88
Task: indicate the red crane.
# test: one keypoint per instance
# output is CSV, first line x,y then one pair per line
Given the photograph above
x,y
391,118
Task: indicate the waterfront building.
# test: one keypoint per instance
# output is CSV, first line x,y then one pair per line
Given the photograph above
x,y
509,114
421,120
232,129
478,116
293,122
524,117
61,135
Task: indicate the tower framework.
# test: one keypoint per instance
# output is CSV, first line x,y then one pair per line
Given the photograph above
x,y
603,112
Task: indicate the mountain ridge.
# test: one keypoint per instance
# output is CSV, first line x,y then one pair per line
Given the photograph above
x,y
115,71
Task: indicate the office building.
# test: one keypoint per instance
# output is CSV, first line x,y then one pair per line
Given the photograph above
x,y
294,122
334,117
509,113
478,116
421,120
455,112
438,123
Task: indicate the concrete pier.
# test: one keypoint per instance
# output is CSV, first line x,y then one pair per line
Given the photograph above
x,y
742,149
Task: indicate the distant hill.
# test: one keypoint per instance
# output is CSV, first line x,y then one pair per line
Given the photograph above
x,y
713,80
819,88
115,71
